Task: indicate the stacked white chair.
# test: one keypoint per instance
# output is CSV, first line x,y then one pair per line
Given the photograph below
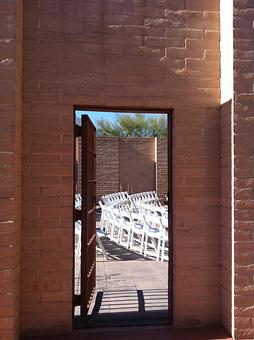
x,y
132,221
78,227
164,223
138,231
78,238
126,228
136,220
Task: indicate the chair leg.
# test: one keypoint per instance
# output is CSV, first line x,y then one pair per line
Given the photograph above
x,y
142,243
163,249
102,224
131,240
78,254
112,231
153,243
106,227
119,236
116,232
146,241
128,239
158,249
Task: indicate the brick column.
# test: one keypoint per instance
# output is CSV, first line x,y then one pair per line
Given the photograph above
x,y
226,213
10,166
162,168
226,46
244,168
107,166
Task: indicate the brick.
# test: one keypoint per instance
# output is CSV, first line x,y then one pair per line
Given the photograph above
x,y
201,5
243,198
43,159
162,42
55,211
51,170
178,52
69,60
41,180
10,73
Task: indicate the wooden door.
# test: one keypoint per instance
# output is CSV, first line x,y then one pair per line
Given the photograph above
x,y
88,214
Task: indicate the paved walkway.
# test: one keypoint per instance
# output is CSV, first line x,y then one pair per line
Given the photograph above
x,y
140,333
126,283
123,286
129,286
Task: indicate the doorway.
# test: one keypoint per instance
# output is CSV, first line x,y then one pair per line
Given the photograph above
x,y
122,237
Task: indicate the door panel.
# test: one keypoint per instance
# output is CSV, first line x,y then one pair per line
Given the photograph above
x,y
88,235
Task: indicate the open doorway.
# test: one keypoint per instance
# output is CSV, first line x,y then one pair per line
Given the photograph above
x,y
122,271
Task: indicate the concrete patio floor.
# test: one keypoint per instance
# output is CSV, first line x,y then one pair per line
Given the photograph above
x,y
126,283
131,286
140,333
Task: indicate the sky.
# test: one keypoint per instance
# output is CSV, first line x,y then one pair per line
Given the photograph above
x,y
96,115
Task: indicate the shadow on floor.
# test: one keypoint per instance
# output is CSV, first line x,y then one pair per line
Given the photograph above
x,y
137,303
120,253
127,307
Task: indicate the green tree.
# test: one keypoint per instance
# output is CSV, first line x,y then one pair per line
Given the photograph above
x,y
133,125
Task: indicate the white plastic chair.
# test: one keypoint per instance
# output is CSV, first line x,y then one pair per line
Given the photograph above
x,y
138,231
154,231
127,226
78,239
164,223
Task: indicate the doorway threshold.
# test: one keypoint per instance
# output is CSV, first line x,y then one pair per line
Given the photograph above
x,y
153,318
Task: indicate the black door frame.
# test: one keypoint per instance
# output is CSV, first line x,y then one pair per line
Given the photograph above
x,y
170,113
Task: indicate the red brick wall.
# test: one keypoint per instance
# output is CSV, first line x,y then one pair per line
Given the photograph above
x,y
10,166
196,210
128,164
244,165
107,166
137,164
226,220
226,44
47,174
162,168
121,53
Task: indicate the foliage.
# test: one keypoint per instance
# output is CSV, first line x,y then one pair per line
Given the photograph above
x,y
133,125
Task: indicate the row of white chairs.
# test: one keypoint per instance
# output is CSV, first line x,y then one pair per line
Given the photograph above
x,y
141,221
132,221
123,197
116,198
134,201
149,197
